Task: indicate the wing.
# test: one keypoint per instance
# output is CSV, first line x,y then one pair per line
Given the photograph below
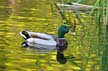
x,y
40,35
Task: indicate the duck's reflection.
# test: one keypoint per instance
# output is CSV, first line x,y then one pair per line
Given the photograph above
x,y
60,57
60,51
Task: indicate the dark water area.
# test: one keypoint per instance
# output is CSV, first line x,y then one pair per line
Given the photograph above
x,y
82,54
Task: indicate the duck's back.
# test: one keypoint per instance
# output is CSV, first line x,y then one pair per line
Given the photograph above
x,y
41,35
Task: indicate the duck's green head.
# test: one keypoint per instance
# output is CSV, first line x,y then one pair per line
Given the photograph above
x,y
62,30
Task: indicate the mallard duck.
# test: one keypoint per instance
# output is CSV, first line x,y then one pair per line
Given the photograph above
x,y
45,41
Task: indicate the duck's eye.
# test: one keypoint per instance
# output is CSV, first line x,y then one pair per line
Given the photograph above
x,y
65,27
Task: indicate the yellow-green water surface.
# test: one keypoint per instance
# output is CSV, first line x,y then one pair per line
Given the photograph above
x,y
36,15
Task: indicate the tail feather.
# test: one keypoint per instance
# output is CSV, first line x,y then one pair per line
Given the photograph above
x,y
25,35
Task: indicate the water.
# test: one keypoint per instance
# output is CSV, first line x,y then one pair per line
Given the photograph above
x,y
34,15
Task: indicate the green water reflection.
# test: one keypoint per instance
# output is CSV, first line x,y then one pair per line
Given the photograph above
x,y
34,15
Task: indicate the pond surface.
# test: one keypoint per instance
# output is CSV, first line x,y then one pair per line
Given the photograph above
x,y
36,15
